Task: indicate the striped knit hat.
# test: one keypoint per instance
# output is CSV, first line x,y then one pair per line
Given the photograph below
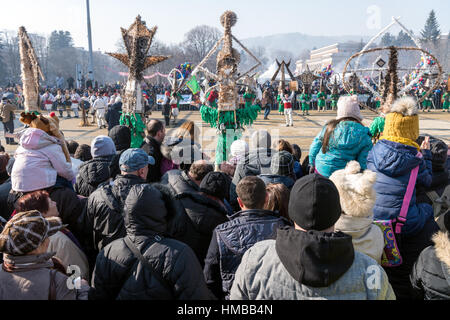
x,y
26,231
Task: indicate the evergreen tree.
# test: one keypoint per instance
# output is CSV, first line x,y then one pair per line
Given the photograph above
x,y
387,40
60,40
403,40
431,30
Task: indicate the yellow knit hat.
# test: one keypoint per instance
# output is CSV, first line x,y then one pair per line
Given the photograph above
x,y
402,123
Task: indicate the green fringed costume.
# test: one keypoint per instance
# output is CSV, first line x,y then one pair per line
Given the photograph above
x,y
244,117
446,100
136,125
334,100
305,98
427,102
280,104
321,103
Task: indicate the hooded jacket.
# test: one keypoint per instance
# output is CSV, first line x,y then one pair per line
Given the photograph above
x,y
179,181
204,215
231,240
91,174
120,275
393,163
430,276
121,136
309,265
349,141
255,163
105,210
38,160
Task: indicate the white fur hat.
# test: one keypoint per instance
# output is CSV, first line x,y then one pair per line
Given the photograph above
x,y
355,189
238,148
407,106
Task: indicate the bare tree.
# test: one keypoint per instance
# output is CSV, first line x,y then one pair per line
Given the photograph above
x,y
199,41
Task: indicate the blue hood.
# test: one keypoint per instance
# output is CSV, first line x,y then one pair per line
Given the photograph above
x,y
393,158
348,135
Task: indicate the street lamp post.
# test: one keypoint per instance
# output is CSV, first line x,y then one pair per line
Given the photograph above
x,y
91,63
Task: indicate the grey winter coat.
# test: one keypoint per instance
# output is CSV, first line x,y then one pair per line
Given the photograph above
x,y
313,265
31,280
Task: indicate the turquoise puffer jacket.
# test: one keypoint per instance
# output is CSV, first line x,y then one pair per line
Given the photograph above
x,y
349,141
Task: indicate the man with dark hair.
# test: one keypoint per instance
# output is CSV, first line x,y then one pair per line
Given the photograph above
x,y
231,239
152,145
83,153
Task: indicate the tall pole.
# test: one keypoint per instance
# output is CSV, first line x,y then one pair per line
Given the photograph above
x,y
91,63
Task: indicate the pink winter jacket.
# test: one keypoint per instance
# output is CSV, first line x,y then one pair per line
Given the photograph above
x,y
38,160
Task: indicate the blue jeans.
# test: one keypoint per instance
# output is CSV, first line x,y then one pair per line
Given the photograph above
x,y
267,110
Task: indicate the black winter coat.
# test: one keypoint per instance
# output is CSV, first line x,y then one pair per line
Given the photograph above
x,y
179,181
112,116
5,210
105,210
204,214
120,275
121,135
153,148
91,174
430,276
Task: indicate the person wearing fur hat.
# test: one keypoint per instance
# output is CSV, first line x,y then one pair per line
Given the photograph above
x,y
341,140
310,260
357,198
430,276
393,158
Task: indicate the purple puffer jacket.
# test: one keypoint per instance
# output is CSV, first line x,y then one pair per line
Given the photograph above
x,y
38,160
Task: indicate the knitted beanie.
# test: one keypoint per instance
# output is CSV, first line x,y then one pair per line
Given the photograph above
x,y
402,121
238,148
348,106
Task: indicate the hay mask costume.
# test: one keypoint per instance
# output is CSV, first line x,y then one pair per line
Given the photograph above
x,y
138,39
228,118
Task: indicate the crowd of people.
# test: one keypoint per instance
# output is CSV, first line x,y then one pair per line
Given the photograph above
x,y
361,217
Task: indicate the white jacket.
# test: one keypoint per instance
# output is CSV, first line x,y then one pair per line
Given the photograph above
x,y
38,160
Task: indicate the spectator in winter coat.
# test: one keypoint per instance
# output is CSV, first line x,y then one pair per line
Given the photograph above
x,y
121,274
39,160
29,272
310,261
205,211
121,136
63,243
104,215
393,158
231,239
72,146
341,140
96,171
256,162
430,276
7,119
112,116
282,170
187,181
440,171
152,145
357,197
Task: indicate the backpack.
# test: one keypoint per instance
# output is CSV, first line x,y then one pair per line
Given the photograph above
x,y
441,204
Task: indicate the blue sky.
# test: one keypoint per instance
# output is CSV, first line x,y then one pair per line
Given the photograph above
x,y
256,17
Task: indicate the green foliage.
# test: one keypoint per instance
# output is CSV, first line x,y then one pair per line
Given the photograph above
x,y
431,30
60,40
